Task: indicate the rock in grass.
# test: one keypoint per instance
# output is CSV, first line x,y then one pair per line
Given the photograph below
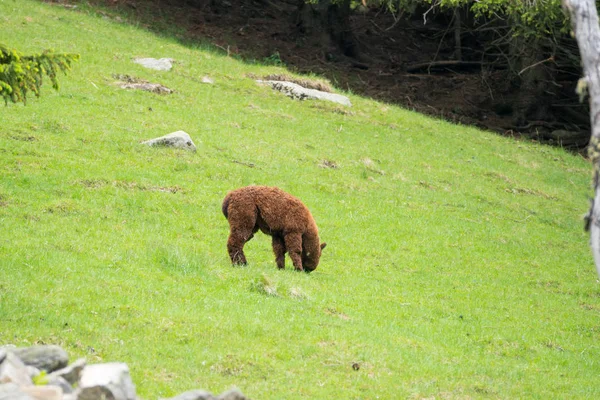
x,y
45,357
131,82
109,381
148,87
298,92
178,139
233,394
162,64
194,395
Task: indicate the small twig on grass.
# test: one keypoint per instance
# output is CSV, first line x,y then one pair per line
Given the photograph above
x,y
247,164
443,64
226,50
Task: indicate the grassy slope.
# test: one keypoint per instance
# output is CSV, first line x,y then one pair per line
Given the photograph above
x,y
461,271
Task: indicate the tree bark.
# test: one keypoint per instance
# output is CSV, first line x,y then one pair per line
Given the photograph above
x,y
338,19
531,104
584,20
330,17
457,38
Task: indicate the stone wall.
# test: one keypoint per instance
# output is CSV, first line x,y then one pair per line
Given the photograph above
x,y
44,373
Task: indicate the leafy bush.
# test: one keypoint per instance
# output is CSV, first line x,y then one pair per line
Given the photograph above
x,y
20,74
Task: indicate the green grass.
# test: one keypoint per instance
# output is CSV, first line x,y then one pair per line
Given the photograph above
x,y
456,265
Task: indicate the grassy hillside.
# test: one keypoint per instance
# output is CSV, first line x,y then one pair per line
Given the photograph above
x,y
456,265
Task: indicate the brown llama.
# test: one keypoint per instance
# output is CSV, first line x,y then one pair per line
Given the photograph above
x,y
275,213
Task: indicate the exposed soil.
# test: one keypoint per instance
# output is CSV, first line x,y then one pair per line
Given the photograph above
x,y
267,30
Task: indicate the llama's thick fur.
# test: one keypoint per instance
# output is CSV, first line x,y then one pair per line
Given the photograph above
x,y
278,214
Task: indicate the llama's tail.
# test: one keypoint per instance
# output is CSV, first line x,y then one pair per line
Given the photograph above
x,y
225,205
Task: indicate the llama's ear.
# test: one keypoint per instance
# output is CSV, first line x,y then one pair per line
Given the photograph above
x,y
323,245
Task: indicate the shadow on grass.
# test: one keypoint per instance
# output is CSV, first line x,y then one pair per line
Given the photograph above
x,y
267,32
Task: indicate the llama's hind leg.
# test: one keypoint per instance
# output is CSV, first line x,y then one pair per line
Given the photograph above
x,y
279,250
235,247
242,229
293,243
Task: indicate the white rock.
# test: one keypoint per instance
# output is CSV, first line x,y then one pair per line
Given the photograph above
x,y
162,64
111,380
296,91
178,139
14,370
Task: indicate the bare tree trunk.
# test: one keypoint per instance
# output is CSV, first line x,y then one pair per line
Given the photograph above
x,y
584,19
531,103
457,38
338,18
330,17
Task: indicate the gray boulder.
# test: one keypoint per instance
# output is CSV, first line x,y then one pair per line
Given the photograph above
x,y
44,357
298,92
178,139
110,381
161,64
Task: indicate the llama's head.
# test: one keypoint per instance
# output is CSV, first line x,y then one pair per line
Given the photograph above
x,y
310,258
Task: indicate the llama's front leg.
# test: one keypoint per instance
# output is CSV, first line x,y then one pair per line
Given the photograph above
x,y
293,243
279,250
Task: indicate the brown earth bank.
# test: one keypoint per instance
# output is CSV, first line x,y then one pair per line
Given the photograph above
x,y
409,60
